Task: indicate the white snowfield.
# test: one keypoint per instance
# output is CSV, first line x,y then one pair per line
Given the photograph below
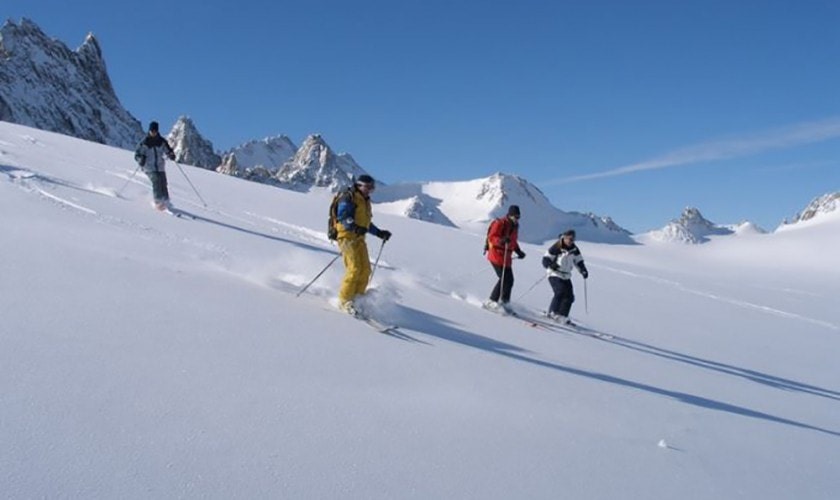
x,y
148,356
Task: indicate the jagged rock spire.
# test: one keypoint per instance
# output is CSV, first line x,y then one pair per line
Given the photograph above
x,y
44,84
315,164
190,146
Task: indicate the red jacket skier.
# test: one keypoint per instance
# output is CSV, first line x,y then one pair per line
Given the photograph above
x,y
502,243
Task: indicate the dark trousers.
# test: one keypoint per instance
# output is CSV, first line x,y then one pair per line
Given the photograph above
x,y
159,187
564,295
499,292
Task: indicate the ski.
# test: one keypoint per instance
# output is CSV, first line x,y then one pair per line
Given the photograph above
x,y
545,323
514,315
376,324
177,213
576,328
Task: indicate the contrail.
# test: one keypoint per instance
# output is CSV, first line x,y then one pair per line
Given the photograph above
x,y
787,137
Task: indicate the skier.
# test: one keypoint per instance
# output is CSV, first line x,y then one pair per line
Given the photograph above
x,y
353,221
558,261
502,242
151,155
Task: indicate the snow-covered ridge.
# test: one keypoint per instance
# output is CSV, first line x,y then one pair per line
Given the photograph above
x,y
46,85
820,207
693,228
261,158
472,204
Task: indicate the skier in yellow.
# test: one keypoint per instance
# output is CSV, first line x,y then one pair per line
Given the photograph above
x,y
353,221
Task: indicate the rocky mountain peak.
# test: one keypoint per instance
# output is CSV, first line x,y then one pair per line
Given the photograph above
x,y
690,228
316,165
44,84
821,205
263,156
190,146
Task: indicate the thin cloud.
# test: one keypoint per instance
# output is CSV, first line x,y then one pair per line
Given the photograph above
x,y
796,135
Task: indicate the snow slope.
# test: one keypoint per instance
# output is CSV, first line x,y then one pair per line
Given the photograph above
x,y
147,356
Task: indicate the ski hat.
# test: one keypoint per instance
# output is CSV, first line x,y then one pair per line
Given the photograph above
x,y
570,232
365,179
153,126
513,211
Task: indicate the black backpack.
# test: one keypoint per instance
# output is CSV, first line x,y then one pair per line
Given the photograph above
x,y
332,231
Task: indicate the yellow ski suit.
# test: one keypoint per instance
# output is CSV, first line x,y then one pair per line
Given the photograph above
x,y
353,246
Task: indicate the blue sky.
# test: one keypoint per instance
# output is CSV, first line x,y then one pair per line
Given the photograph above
x,y
628,109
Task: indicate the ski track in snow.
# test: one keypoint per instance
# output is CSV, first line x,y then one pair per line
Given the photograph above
x,y
65,202
304,233
26,180
736,302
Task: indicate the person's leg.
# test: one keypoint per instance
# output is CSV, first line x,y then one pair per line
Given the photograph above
x,y
508,284
154,178
497,290
350,256
557,288
363,263
567,297
164,186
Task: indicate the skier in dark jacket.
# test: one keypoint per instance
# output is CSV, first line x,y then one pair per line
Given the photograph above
x,y
151,155
559,260
502,243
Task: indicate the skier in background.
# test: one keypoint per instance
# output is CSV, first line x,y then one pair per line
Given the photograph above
x,y
353,221
502,242
558,261
151,155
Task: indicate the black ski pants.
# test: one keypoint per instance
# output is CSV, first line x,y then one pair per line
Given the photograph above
x,y
499,292
564,295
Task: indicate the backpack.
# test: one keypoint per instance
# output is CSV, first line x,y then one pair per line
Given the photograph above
x,y
489,227
332,231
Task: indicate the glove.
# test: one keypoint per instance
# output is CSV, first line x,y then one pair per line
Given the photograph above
x,y
520,253
360,230
505,240
385,235
554,266
141,160
171,156
584,273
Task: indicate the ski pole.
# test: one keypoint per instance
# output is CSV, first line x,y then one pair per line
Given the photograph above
x,y
376,263
191,184
532,287
318,276
128,181
585,297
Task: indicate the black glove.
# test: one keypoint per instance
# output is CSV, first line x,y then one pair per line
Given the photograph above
x,y
584,273
385,234
360,230
141,160
520,253
171,156
505,241
554,266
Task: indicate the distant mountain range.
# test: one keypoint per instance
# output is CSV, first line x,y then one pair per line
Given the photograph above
x,y
692,228
472,204
46,85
